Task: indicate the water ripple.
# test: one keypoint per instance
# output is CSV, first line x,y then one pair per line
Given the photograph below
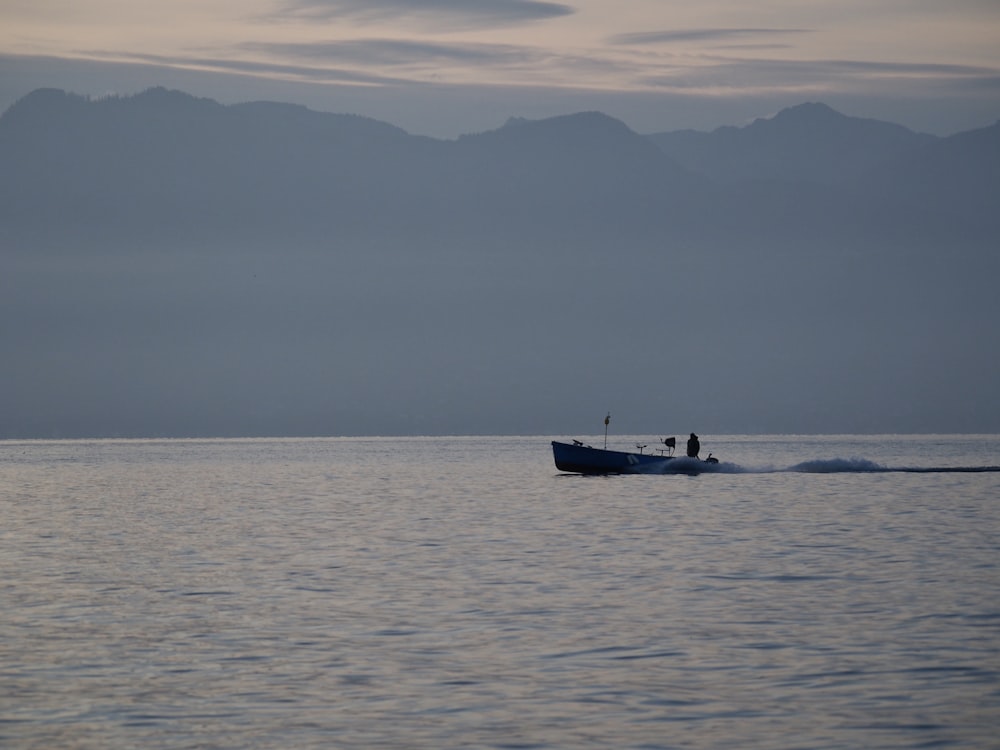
x,y
409,593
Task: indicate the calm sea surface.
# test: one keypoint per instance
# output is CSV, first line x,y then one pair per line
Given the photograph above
x,y
461,593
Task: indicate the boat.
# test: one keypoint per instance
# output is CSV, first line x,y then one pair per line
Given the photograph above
x,y
577,458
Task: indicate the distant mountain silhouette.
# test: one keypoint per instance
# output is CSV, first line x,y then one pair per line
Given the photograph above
x,y
166,161
809,143
162,158
952,178
822,166
173,266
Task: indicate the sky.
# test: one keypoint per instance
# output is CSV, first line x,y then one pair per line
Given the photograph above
x,y
448,67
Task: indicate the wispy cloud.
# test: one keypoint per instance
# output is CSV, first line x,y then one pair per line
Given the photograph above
x,y
443,62
393,52
774,75
441,13
316,74
375,62
867,68
386,62
403,59
701,35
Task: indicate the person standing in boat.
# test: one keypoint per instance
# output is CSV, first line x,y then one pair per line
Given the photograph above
x,y
694,447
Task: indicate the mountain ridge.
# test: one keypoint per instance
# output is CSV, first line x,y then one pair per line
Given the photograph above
x,y
810,143
165,153
173,266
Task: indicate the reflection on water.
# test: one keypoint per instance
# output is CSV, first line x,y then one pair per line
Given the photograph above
x,y
461,593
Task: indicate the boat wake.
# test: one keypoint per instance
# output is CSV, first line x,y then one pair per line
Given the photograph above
x,y
815,466
864,466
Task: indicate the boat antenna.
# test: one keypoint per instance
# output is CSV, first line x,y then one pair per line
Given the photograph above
x,y
607,421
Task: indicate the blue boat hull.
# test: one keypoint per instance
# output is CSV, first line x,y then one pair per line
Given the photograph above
x,y
582,459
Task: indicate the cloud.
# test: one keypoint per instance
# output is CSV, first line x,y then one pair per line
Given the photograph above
x,y
775,75
699,35
394,52
820,69
447,13
442,62
248,67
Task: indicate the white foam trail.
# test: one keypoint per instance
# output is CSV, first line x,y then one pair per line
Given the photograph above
x,y
693,466
836,466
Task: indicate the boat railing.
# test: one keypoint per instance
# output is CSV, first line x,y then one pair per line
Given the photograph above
x,y
668,445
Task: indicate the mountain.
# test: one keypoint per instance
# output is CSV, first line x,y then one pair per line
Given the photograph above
x,y
168,164
118,166
956,178
810,143
830,171
173,266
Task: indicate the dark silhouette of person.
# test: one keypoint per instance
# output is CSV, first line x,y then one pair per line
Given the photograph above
x,y
694,447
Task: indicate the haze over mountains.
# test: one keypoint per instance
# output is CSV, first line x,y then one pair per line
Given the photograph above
x,y
173,266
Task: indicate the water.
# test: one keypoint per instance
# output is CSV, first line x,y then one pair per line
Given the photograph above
x,y
459,592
